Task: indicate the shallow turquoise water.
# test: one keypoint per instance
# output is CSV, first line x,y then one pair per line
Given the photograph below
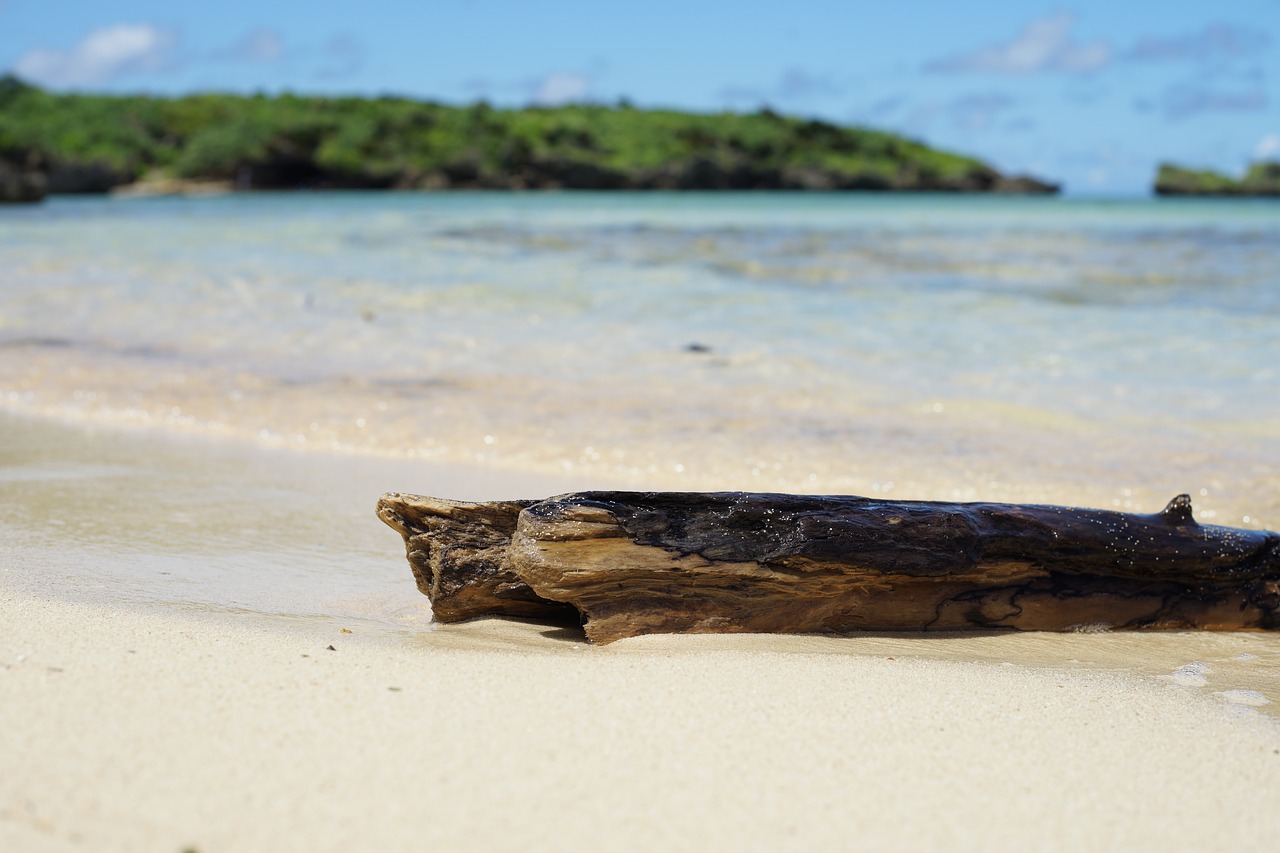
x,y
1091,352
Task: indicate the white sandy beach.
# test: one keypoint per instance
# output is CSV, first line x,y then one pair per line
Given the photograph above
x,y
132,732
159,696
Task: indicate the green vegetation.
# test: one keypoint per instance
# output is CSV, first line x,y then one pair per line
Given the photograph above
x,y
1262,179
93,142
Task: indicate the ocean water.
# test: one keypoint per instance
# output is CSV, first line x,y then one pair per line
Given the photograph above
x,y
1101,353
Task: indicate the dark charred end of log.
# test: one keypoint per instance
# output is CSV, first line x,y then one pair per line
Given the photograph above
x,y
457,551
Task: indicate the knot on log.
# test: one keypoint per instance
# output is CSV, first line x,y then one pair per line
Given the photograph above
x,y
1178,512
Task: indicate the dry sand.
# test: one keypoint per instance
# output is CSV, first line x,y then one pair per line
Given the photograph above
x,y
166,682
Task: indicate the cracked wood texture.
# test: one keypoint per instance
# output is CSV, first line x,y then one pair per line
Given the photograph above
x,y
457,551
636,563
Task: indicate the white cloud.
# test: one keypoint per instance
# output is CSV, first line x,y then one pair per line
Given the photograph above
x,y
260,45
100,57
1044,44
561,88
1210,43
1268,147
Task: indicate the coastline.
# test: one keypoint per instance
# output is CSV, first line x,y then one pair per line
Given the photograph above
x,y
298,142
165,648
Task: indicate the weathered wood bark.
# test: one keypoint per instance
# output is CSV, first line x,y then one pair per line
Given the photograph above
x,y
457,552
636,563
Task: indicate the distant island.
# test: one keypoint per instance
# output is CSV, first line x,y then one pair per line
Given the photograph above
x,y
1262,179
81,143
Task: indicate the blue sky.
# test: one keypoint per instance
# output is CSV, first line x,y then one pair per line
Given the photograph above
x,y
1091,93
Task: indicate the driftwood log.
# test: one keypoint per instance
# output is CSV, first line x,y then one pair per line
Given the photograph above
x,y
629,563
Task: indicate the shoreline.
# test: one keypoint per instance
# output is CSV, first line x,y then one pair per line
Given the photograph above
x,y
165,651
875,446
199,524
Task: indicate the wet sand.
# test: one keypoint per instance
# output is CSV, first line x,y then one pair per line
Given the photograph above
x,y
167,606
